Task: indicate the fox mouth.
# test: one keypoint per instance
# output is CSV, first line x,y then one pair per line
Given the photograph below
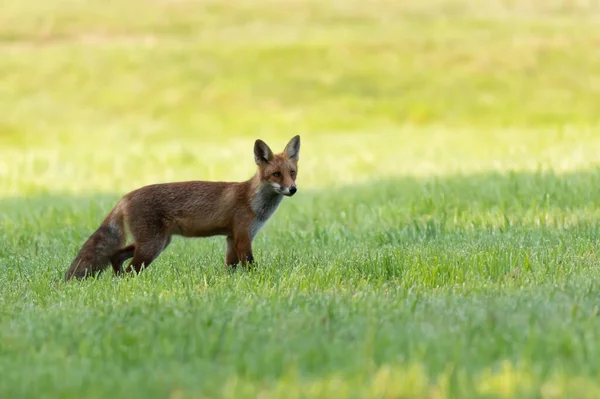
x,y
287,191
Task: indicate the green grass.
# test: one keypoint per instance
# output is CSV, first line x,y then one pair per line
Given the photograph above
x,y
443,242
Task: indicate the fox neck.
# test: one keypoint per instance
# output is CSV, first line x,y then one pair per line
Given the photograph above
x,y
264,200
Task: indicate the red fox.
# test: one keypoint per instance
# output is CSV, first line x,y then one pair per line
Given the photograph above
x,y
154,213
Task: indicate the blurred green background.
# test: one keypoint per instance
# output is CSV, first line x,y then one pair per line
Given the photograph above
x,y
108,95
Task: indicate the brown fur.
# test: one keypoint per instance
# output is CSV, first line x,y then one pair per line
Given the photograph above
x,y
154,213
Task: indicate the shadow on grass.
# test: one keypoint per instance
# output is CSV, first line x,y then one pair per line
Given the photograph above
x,y
459,271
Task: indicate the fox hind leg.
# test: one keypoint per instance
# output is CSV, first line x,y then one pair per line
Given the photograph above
x,y
121,256
146,252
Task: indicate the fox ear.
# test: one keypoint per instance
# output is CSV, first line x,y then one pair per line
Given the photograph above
x,y
262,153
292,149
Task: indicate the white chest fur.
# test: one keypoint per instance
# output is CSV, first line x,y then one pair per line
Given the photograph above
x,y
264,205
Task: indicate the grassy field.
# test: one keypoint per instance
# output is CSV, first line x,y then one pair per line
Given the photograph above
x,y
443,242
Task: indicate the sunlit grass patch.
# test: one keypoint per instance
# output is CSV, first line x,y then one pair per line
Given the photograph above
x,y
116,163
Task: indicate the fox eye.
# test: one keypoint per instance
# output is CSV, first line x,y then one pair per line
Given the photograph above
x,y
293,172
277,174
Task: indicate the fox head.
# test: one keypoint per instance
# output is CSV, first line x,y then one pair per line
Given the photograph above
x,y
279,171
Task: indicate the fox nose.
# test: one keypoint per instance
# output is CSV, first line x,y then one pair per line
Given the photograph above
x,y
293,190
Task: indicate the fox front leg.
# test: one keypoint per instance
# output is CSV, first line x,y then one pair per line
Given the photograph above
x,y
231,258
243,249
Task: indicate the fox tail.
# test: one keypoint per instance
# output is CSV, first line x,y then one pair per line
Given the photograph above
x,y
94,255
